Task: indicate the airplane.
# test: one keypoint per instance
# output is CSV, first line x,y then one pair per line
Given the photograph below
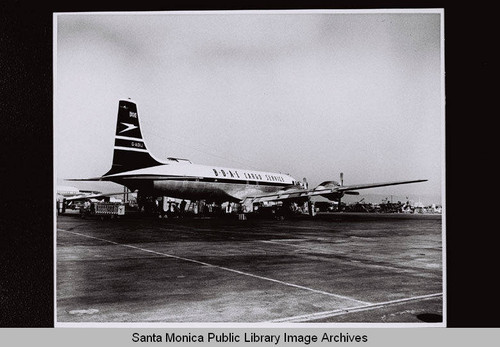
x,y
68,193
136,168
73,193
68,197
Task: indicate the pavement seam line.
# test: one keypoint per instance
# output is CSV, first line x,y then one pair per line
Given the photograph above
x,y
342,311
222,268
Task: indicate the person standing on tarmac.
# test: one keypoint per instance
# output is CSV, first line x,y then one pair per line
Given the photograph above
x,y
183,207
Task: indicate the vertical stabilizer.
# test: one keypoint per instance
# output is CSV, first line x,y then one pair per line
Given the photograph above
x,y
130,151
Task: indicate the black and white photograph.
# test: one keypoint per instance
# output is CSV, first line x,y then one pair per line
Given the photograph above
x,y
267,168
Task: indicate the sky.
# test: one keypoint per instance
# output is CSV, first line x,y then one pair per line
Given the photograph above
x,y
309,93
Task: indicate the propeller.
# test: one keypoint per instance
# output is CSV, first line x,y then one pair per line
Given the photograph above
x,y
342,183
304,183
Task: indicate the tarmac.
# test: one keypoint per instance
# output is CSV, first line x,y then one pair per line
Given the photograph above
x,y
333,268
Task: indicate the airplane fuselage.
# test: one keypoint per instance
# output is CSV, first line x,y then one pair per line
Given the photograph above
x,y
196,182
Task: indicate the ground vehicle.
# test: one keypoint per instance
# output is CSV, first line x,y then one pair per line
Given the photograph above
x,y
103,209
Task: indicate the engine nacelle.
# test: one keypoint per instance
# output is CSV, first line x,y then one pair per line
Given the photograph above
x,y
327,184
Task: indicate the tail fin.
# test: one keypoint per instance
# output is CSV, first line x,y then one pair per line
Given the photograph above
x,y
130,151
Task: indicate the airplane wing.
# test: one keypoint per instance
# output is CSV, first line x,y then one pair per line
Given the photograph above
x,y
303,194
374,185
295,194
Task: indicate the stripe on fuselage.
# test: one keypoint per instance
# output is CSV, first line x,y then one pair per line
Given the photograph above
x,y
200,179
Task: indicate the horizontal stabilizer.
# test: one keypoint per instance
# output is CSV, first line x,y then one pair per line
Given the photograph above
x,y
84,179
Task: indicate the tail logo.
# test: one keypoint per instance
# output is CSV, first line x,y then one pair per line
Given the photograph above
x,y
128,127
